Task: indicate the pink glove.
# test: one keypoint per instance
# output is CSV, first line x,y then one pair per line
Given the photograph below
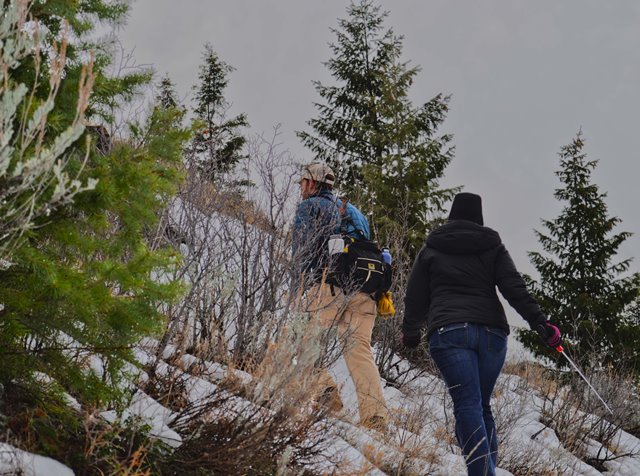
x,y
550,334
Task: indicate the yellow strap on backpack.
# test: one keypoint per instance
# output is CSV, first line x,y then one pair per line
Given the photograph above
x,y
385,306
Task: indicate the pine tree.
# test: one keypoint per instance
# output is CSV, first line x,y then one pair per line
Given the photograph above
x,y
167,97
218,146
382,147
80,287
167,102
582,287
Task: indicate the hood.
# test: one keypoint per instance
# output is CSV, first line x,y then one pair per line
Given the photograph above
x,y
460,237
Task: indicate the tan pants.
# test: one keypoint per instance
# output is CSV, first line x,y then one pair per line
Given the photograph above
x,y
353,316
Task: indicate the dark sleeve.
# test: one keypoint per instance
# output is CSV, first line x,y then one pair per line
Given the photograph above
x,y
417,299
514,289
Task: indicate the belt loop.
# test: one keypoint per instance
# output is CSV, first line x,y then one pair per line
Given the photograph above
x,y
333,291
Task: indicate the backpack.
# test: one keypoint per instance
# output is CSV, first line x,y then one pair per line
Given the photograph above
x,y
360,267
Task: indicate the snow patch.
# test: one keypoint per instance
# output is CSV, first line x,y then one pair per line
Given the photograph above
x,y
17,461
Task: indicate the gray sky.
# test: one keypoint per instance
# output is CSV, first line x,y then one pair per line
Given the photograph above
x,y
524,77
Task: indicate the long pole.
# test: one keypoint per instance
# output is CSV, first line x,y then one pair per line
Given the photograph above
x,y
575,367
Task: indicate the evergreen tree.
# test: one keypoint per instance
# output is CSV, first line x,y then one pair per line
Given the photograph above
x,y
218,145
167,97
80,288
629,337
166,102
382,147
582,288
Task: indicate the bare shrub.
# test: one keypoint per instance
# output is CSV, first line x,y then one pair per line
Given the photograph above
x,y
535,375
236,260
418,439
578,418
119,448
168,389
245,309
509,404
387,332
273,421
526,460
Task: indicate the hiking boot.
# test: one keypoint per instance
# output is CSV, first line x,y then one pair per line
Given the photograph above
x,y
377,423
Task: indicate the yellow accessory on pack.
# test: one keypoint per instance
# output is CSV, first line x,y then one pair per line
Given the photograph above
x,y
385,305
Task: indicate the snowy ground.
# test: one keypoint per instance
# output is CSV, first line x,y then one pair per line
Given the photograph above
x,y
418,442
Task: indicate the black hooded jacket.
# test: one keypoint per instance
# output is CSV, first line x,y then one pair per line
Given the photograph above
x,y
454,279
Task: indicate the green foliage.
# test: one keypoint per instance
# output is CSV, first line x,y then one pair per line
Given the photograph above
x,y
383,148
82,287
80,18
217,145
82,15
84,283
82,280
581,286
36,139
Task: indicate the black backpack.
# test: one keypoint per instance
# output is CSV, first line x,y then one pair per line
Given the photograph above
x,y
360,267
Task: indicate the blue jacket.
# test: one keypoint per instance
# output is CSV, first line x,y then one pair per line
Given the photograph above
x,y
355,221
317,218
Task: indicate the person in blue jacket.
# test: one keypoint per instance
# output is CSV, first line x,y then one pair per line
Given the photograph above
x,y
452,291
319,216
353,313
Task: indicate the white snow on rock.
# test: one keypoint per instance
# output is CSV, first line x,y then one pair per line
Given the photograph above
x,y
341,454
624,466
212,370
149,412
626,443
17,461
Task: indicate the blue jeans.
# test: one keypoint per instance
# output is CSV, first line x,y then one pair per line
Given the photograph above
x,y
470,357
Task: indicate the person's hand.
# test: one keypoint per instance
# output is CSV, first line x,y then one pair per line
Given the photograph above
x,y
410,341
549,333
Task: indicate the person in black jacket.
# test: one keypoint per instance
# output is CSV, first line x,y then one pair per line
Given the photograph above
x,y
452,289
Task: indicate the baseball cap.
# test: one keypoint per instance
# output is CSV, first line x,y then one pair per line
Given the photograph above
x,y
319,172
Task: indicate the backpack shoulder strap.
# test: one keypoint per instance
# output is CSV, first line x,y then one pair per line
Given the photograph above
x,y
341,203
346,218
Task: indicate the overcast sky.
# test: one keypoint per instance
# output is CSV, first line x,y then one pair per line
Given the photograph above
x,y
524,77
